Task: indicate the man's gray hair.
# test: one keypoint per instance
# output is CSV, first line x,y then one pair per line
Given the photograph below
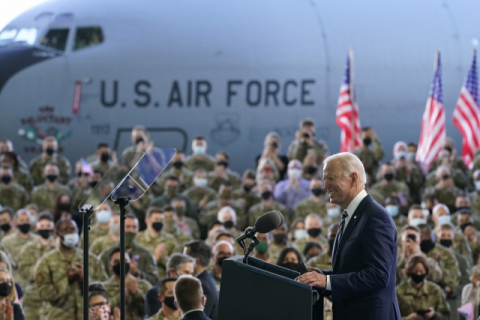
x,y
177,259
349,163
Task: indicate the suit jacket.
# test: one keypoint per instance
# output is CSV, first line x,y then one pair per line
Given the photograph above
x,y
209,291
364,266
196,315
152,304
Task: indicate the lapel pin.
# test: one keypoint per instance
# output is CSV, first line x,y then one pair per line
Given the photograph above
x,y
355,217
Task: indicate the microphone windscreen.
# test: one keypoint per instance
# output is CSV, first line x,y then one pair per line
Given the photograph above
x,y
269,221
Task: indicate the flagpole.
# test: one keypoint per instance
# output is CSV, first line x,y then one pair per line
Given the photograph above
x,y
350,85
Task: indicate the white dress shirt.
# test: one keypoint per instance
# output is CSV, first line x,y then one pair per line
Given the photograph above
x,y
350,210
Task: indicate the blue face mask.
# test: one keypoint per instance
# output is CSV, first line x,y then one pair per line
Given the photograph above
x,y
444,219
392,210
477,185
333,212
199,150
416,222
103,216
300,234
71,240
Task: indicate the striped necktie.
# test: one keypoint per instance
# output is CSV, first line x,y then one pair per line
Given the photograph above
x,y
342,226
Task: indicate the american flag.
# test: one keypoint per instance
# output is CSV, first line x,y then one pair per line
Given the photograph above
x,y
347,111
433,133
466,115
467,311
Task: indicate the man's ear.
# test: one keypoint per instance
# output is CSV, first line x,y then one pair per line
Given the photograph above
x,y
176,304
204,301
161,298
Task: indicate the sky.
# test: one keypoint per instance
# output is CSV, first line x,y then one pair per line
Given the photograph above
x,y
9,11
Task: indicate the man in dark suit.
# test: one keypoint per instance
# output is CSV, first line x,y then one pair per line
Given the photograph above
x,y
201,252
364,258
189,298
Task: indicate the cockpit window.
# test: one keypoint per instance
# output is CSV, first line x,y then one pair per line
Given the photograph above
x,y
55,39
87,37
23,35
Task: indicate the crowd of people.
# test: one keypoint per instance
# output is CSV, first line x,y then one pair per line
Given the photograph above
x,y
187,222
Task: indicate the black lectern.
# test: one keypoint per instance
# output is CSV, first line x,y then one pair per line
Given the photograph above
x,y
260,290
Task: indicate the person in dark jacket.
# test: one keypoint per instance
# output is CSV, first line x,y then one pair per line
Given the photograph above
x,y
190,298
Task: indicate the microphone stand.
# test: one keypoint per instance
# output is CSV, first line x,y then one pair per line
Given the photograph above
x,y
86,211
252,245
122,202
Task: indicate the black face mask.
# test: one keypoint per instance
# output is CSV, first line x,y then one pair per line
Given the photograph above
x,y
169,302
5,289
177,164
314,232
446,242
79,174
50,151
105,157
5,227
93,184
116,268
45,234
446,177
220,261
331,242
6,179
311,170
317,191
138,140
417,278
64,206
448,149
222,163
426,246
388,176
24,228
367,141
463,226
266,195
157,226
289,265
228,224
247,188
279,238
51,177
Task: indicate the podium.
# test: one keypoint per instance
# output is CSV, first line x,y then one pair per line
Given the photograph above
x,y
260,290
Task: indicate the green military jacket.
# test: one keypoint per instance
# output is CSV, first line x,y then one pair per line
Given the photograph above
x,y
445,196
190,226
448,264
180,236
387,189
307,206
458,163
475,203
98,245
214,182
298,150
301,243
22,177
163,200
161,316
195,162
196,194
414,181
15,196
400,221
94,233
460,179
45,197
275,250
322,261
37,168
249,199
370,158
158,186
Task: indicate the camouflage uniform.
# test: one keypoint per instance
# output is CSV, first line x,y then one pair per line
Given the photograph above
x,y
64,299
22,177
370,158
400,221
37,168
32,252
94,233
307,206
98,245
180,236
249,199
275,250
393,187
210,213
322,261
475,203
414,181
448,264
301,243
149,243
214,182
161,316
475,250
257,210
196,194
379,198
134,304
45,197
476,221
205,161
158,185
460,179
461,245
163,200
79,195
145,261
444,196
458,163
435,275
102,166
464,267
190,226
298,150
15,197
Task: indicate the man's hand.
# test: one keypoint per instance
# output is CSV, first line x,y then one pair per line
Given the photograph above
x,y
72,274
313,279
133,267
471,234
413,316
430,314
131,285
79,271
116,314
159,251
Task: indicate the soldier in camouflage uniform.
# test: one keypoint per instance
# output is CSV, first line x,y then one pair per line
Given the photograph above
x,y
45,195
184,175
200,193
140,143
457,162
85,190
135,288
315,203
165,295
11,194
444,191
314,226
172,227
31,253
59,275
267,204
387,186
392,205
21,175
104,158
304,140
413,295
222,174
280,242
324,260
187,224
200,158
6,223
245,193
171,191
371,152
143,263
103,215
475,195
460,178
37,165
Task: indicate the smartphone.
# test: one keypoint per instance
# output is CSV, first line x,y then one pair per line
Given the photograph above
x,y
413,237
306,135
422,312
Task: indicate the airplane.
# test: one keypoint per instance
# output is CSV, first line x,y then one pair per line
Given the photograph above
x,y
231,71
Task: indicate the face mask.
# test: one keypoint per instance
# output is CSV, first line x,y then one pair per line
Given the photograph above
x,y
416,222
138,140
449,149
266,195
115,228
24,228
45,234
169,302
279,238
463,226
331,242
104,312
93,184
443,219
200,182
171,191
446,242
116,268
129,237
177,164
392,210
180,211
247,188
220,261
6,179
228,224
477,185
317,191
446,177
5,227
388,176
33,219
300,234
50,151
418,278
294,173
5,289
70,240
157,226
333,212
311,170
427,245
400,155
104,157
411,155
200,150
51,177
262,247
103,216
367,141
314,232
222,163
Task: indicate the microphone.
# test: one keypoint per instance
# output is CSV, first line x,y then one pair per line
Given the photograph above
x,y
265,223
